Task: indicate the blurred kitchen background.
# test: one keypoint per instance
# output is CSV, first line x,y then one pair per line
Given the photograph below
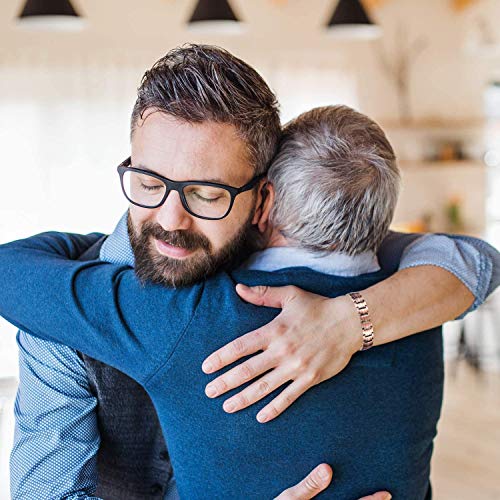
x,y
428,71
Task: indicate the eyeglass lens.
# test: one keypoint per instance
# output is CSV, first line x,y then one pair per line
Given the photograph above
x,y
205,201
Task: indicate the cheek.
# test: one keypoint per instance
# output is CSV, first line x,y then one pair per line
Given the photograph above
x,y
221,232
217,232
140,215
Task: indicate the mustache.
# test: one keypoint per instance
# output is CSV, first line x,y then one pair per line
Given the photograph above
x,y
183,239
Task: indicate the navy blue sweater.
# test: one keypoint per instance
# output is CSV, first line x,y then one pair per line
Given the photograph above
x,y
374,422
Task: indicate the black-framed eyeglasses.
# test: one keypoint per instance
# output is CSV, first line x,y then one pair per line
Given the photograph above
x,y
205,200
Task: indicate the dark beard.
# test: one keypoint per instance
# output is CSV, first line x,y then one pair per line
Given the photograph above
x,y
151,266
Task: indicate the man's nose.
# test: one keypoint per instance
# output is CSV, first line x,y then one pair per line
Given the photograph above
x,y
172,216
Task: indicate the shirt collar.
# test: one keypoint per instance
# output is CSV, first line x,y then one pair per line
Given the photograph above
x,y
117,249
336,263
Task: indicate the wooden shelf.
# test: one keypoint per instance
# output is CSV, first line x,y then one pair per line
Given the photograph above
x,y
420,164
430,126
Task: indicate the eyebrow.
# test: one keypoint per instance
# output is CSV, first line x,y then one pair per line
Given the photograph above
x,y
215,180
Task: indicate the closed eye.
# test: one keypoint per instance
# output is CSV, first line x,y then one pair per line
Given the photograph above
x,y
145,187
205,200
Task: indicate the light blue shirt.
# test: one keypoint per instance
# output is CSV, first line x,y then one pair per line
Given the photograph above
x,y
57,438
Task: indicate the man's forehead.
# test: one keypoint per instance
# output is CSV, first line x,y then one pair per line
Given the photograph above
x,y
181,150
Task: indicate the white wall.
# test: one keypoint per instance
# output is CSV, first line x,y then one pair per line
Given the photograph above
x,y
446,81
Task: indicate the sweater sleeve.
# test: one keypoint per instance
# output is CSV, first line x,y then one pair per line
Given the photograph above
x,y
95,307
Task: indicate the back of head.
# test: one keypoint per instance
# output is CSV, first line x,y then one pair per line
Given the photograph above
x,y
198,83
336,181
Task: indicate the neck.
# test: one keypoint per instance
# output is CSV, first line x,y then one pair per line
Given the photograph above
x,y
278,240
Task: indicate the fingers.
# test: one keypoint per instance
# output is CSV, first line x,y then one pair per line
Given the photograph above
x,y
266,295
315,482
255,392
380,495
281,402
242,346
240,374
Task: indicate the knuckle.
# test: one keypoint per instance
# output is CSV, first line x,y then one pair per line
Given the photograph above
x,y
291,348
313,377
238,346
289,399
258,336
246,372
312,483
264,387
216,360
261,292
273,411
286,349
241,401
299,365
221,385
281,329
280,353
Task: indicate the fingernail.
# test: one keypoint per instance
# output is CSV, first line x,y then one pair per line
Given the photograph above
x,y
323,473
229,406
211,391
207,366
388,497
262,417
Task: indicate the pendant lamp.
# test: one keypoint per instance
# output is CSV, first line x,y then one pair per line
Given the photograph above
x,y
351,21
50,14
214,16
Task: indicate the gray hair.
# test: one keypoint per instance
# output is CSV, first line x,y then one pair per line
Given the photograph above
x,y
336,181
198,83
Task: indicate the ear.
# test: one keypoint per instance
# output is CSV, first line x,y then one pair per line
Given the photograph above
x,y
265,202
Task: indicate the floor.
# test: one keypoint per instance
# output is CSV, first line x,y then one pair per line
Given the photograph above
x,y
466,463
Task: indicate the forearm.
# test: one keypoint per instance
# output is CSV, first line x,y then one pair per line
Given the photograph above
x,y
40,293
411,301
94,307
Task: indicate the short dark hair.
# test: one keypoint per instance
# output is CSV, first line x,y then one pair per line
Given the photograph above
x,y
198,83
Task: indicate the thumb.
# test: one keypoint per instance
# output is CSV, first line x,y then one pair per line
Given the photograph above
x,y
266,295
314,483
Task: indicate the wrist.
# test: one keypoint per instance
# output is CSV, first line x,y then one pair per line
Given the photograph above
x,y
346,321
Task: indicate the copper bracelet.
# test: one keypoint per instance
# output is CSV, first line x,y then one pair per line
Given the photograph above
x,y
364,316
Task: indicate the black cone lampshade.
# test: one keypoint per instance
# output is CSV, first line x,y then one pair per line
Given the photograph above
x,y
50,14
350,20
212,10
214,15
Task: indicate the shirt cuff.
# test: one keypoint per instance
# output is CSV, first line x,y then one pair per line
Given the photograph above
x,y
470,264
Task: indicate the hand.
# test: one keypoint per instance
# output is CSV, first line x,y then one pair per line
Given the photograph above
x,y
311,340
315,482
